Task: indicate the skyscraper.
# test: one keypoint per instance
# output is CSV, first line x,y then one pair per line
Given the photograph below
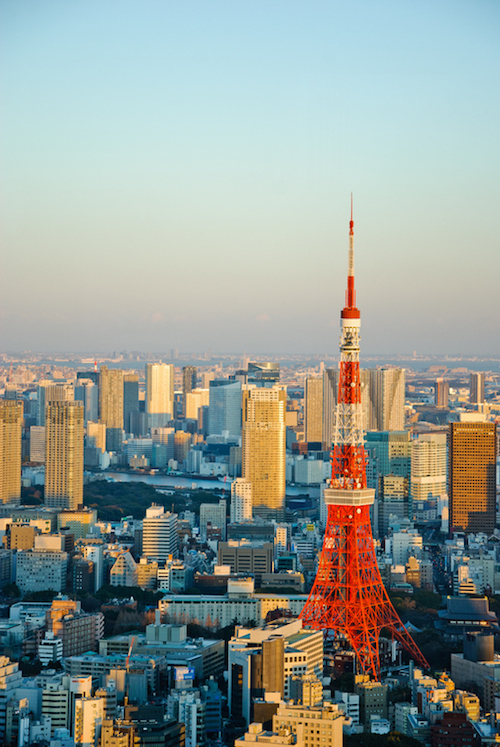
x,y
263,452
87,391
64,455
159,394
387,396
471,476
224,412
428,466
189,381
11,423
130,399
441,393
476,388
50,392
313,409
111,406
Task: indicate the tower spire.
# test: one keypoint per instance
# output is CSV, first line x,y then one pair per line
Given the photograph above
x,y
350,298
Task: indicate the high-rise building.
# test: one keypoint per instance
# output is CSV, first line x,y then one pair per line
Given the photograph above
x,y
241,501
213,514
313,410
64,455
37,443
194,400
182,443
49,392
476,388
263,447
159,534
11,678
89,715
11,422
441,393
111,406
159,394
330,394
88,393
428,466
130,399
224,412
189,380
96,436
387,396
471,476
263,373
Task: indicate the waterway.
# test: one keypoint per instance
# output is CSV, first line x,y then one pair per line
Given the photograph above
x,y
195,483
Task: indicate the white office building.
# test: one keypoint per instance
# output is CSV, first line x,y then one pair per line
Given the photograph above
x,y
241,501
159,534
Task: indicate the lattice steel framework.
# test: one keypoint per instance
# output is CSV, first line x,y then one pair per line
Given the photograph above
x,y
348,596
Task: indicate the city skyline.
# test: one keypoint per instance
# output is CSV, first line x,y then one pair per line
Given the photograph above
x,y
206,159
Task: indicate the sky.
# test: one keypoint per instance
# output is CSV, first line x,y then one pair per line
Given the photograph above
x,y
177,174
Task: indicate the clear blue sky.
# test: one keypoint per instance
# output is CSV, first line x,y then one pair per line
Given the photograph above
x,y
178,174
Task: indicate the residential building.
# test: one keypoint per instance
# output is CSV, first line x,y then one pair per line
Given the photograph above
x,y
428,466
118,734
256,735
78,631
187,707
477,388
189,381
196,399
159,394
11,421
64,455
441,393
327,719
313,409
471,476
373,699
37,444
159,534
111,406
387,398
50,649
10,679
49,392
264,443
96,435
241,501
89,715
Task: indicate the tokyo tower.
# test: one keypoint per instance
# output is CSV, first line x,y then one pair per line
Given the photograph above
x,y
348,596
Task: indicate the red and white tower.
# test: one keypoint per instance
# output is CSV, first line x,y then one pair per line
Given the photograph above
x,y
348,596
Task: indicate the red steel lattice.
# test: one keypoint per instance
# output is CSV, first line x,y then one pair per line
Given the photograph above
x,y
348,597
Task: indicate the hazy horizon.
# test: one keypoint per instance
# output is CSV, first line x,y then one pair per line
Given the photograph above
x,y
178,175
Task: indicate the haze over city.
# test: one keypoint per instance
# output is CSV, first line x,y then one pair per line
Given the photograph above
x,y
178,175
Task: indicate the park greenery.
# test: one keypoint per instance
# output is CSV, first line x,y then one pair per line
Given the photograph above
x,y
116,500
